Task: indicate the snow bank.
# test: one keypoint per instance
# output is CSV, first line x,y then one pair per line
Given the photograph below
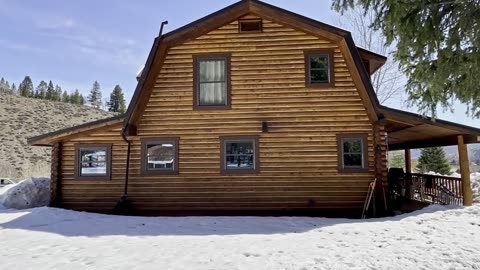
x,y
29,193
475,180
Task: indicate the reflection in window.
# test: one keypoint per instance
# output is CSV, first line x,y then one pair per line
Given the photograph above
x,y
352,151
240,155
93,162
160,156
319,69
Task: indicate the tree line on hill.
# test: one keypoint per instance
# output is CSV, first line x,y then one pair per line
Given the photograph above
x,y
47,91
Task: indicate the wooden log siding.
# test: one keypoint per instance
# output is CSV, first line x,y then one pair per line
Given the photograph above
x,y
94,195
298,155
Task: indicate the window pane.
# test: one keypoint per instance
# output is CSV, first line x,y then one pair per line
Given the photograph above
x,y
319,68
319,76
160,156
213,93
93,162
319,61
352,161
239,155
352,146
212,70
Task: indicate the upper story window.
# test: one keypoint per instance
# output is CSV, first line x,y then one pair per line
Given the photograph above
x,y
250,26
92,161
211,81
319,68
239,154
352,151
160,156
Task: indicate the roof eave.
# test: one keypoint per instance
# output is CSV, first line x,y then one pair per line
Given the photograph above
x,y
49,139
464,129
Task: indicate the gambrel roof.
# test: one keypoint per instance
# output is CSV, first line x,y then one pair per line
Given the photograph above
x,y
231,13
405,130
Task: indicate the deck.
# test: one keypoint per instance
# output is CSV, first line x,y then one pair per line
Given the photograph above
x,y
413,191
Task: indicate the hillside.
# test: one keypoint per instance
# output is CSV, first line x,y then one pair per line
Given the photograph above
x,y
22,118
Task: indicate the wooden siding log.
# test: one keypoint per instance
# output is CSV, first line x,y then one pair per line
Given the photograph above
x,y
380,166
56,175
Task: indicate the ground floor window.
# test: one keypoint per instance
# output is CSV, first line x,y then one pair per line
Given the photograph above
x,y
92,161
160,156
239,154
352,152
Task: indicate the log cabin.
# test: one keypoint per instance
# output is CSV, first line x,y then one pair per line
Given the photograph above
x,y
250,110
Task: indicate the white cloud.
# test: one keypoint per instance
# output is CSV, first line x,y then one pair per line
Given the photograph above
x,y
21,47
54,23
103,47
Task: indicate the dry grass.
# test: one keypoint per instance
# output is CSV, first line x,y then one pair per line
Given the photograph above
x,y
22,118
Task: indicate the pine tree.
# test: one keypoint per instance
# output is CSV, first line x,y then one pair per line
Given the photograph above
x,y
95,97
41,90
396,159
65,97
14,89
8,88
4,87
433,160
50,95
437,47
58,93
117,100
75,97
26,87
82,100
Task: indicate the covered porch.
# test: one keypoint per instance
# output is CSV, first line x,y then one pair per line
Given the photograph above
x,y
406,131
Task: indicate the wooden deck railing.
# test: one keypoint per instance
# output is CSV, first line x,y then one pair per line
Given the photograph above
x,y
441,189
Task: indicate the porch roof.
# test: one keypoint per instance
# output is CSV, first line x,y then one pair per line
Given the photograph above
x,y
409,130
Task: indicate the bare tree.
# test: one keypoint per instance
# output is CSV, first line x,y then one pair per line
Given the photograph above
x,y
388,81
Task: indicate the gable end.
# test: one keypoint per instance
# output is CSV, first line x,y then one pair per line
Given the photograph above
x,y
234,12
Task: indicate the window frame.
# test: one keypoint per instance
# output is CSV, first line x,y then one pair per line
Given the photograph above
x,y
331,76
196,81
240,138
259,21
92,146
364,139
158,140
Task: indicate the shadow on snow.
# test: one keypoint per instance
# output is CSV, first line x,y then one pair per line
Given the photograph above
x,y
71,223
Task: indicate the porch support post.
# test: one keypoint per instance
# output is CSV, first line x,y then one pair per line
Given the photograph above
x,y
408,161
464,171
55,177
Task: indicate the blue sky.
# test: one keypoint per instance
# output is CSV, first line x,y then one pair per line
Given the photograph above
x,y
76,42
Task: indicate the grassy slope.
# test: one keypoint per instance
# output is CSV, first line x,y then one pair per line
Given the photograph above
x,y
22,118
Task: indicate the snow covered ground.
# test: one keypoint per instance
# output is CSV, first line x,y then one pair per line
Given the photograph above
x,y
437,237
46,238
